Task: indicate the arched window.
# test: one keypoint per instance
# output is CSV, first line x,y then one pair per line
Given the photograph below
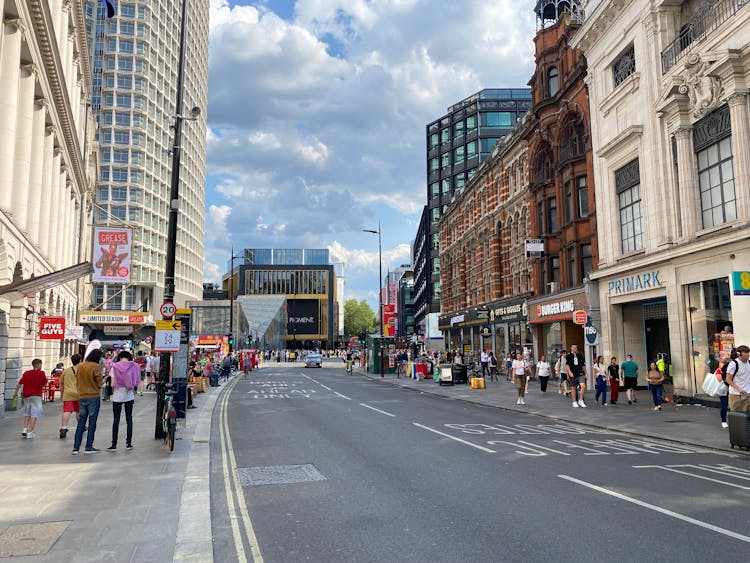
x,y
553,84
572,140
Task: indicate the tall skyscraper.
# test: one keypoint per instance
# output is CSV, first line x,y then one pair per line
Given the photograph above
x,y
135,59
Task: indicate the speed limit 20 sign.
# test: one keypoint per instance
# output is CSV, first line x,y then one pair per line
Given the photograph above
x,y
167,309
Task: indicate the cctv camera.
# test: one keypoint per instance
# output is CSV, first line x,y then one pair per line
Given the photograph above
x,y
195,112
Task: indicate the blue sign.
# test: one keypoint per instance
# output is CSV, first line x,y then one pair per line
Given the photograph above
x,y
590,333
741,283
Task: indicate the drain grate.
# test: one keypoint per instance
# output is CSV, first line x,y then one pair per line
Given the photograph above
x,y
31,539
279,475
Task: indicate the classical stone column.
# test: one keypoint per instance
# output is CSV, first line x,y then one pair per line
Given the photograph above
x,y
68,222
48,167
36,174
16,337
738,114
10,60
59,223
687,174
55,189
22,158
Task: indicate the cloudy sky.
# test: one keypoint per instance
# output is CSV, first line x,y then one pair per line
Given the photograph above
x,y
317,114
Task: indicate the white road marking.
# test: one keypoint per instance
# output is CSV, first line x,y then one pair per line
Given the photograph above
x,y
342,396
228,454
378,410
454,438
673,469
664,511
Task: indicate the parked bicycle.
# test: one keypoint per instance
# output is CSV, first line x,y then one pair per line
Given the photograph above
x,y
169,416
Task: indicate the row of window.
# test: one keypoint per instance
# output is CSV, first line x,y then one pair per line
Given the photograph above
x,y
576,205
579,263
489,119
286,282
457,156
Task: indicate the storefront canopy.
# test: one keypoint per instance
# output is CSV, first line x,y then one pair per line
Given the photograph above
x,y
33,285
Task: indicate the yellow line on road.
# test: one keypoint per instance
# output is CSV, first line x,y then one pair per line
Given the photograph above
x,y
239,510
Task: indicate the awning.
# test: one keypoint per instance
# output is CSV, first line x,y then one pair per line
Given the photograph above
x,y
31,286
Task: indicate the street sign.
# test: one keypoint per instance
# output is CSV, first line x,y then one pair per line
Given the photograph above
x,y
168,325
580,317
534,248
590,333
168,309
167,336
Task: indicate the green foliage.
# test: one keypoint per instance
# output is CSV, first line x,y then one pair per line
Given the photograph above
x,y
358,317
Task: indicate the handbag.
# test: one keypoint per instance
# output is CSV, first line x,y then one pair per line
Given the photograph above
x,y
711,386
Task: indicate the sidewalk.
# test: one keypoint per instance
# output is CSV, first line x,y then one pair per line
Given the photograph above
x,y
687,424
142,505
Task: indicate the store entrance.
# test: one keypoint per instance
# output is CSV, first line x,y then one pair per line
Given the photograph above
x,y
656,330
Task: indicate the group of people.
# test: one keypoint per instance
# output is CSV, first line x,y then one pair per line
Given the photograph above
x,y
80,386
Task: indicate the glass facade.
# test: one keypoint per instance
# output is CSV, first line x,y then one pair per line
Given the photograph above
x,y
286,282
287,256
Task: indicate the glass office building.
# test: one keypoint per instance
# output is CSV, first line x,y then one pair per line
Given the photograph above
x,y
286,256
135,65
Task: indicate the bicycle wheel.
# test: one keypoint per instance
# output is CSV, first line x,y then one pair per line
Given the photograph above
x,y
170,436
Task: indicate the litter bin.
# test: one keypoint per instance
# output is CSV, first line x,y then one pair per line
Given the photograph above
x,y
460,373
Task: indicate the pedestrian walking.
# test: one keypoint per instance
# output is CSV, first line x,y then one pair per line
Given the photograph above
x,y
655,379
601,375
30,386
69,392
509,367
614,380
493,367
576,369
629,373
738,379
561,373
542,372
721,375
89,381
155,367
520,369
484,359
127,377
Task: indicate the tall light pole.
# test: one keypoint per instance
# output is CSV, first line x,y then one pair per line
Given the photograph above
x,y
165,362
380,294
231,300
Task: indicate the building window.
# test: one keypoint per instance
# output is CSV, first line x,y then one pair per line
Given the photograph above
x,y
459,154
572,144
434,164
502,119
458,129
572,268
540,219
445,160
445,185
624,66
569,207
471,149
458,182
712,138
628,186
583,196
434,189
435,212
551,215
554,269
587,261
553,84
471,123
434,140
445,135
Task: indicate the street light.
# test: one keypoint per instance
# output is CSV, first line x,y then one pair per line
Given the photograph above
x,y
380,293
174,199
231,300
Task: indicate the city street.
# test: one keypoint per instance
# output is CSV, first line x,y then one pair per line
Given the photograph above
x,y
337,468
315,465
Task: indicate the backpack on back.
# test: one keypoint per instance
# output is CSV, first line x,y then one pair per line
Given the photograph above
x,y
724,370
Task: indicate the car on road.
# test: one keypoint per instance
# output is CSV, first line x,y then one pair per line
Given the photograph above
x,y
313,360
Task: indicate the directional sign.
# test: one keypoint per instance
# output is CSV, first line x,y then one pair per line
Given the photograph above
x,y
167,336
168,325
168,309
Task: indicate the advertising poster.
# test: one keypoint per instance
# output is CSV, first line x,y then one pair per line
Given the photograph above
x,y
302,317
389,320
111,255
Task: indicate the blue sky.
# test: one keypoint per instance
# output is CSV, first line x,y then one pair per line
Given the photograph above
x,y
317,113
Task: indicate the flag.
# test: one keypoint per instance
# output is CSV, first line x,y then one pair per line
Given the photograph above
x,y
110,6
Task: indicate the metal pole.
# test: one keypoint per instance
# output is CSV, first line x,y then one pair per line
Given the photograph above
x,y
380,297
174,197
231,302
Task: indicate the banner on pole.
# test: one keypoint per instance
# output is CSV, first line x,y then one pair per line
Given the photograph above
x,y
111,255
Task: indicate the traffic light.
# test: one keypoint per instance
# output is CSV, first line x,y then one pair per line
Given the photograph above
x,y
230,339
362,337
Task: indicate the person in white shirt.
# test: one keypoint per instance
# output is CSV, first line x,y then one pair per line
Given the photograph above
x,y
600,378
520,370
484,359
738,379
542,372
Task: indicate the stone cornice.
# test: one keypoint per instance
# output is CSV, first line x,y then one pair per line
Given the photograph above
x,y
599,20
41,24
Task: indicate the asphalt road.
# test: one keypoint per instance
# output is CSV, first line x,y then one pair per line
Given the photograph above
x,y
315,465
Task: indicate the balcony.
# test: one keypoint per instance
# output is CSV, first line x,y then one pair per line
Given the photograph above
x,y
697,29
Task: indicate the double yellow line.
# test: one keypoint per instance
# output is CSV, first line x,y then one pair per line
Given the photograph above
x,y
238,515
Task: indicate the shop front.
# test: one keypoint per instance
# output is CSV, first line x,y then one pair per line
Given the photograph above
x,y
467,332
510,328
116,330
555,327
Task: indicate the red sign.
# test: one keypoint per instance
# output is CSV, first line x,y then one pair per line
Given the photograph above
x,y
389,320
52,328
580,317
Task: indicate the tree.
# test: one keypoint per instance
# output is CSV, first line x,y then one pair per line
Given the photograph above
x,y
358,317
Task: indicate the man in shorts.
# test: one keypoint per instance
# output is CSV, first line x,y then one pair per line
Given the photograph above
x,y
575,367
629,371
69,392
33,382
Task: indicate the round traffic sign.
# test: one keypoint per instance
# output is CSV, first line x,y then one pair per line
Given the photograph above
x,y
167,309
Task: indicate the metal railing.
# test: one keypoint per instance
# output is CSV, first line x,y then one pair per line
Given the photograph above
x,y
697,30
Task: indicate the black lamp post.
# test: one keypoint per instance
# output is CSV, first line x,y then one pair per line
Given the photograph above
x,y
165,363
231,300
380,295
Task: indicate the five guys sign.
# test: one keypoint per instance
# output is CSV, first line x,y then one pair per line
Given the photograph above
x,y
52,328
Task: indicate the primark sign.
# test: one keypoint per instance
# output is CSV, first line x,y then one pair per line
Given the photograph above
x,y
637,282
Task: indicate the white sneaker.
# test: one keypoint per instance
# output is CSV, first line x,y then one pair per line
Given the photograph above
x,y
581,404
575,404
724,425
518,401
523,402
30,435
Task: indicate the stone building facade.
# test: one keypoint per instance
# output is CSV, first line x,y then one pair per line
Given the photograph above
x,y
47,161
